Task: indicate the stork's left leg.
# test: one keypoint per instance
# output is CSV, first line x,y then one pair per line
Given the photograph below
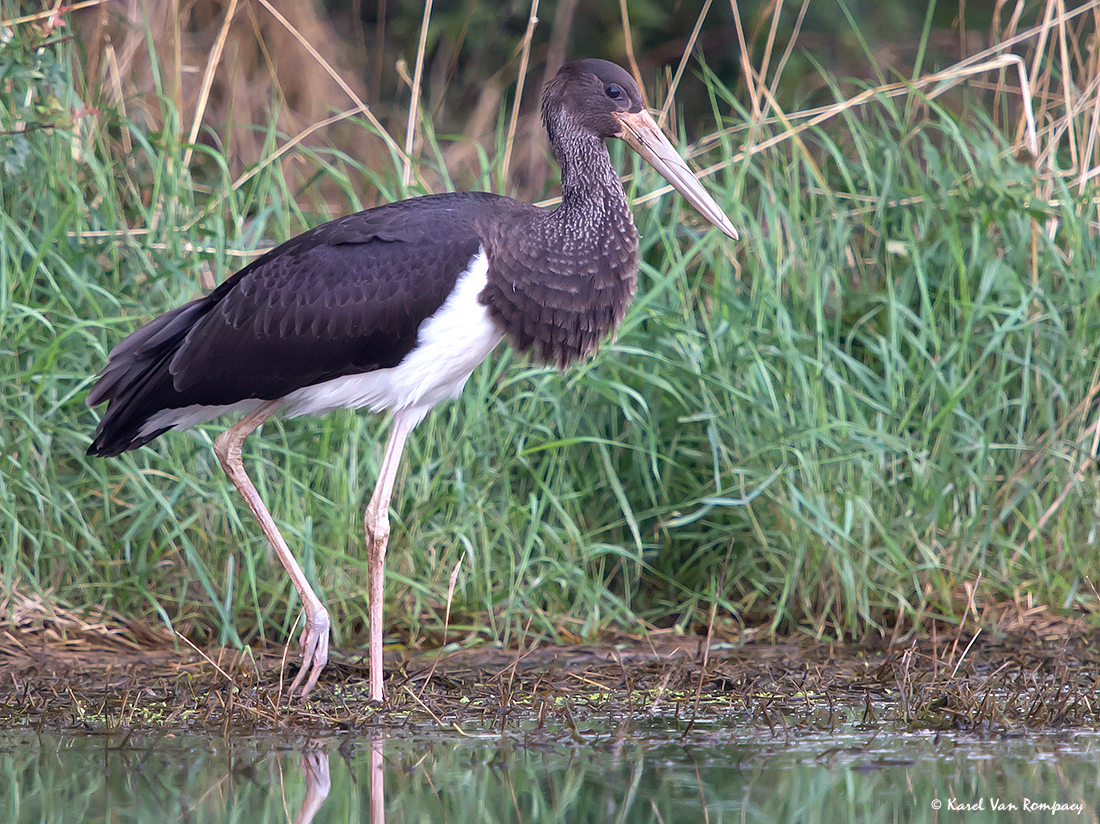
x,y
377,526
227,446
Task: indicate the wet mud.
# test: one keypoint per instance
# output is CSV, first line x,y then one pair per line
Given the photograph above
x,y
1028,676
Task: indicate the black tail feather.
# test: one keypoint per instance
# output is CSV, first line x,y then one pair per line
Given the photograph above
x,y
137,381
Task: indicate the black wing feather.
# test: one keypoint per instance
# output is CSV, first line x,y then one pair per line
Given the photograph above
x,y
344,298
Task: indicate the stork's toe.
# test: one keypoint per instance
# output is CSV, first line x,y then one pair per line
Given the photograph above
x,y
314,645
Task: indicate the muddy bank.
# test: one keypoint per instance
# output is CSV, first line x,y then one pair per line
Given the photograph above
x,y
1036,675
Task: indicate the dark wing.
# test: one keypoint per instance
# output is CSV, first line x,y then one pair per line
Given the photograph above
x,y
343,298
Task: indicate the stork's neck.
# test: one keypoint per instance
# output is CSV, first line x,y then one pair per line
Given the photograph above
x,y
591,192
560,281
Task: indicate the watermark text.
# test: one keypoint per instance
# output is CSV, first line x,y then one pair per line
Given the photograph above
x,y
1024,804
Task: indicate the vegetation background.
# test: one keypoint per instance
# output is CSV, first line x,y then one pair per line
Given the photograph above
x,y
877,412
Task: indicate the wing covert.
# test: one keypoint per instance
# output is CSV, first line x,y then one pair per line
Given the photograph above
x,y
346,297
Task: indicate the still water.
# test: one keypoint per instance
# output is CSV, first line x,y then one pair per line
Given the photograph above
x,y
641,771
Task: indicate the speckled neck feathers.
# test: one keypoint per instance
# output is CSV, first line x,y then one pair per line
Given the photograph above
x,y
560,281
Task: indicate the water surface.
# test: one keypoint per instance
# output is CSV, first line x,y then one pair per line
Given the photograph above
x,y
640,770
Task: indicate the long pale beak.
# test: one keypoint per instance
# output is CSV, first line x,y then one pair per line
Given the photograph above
x,y
642,134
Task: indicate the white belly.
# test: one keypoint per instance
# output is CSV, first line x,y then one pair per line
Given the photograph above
x,y
450,345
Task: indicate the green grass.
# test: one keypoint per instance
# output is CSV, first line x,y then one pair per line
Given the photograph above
x,y
828,428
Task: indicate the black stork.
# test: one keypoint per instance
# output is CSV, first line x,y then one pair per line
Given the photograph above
x,y
393,308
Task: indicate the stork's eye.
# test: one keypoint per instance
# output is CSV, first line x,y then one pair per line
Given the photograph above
x,y
614,92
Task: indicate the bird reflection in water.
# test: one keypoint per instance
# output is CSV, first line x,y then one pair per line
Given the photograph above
x,y
315,772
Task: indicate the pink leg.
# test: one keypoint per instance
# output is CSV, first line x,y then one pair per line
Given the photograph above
x,y
377,525
314,641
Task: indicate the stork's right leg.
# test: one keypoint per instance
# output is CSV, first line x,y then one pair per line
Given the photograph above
x,y
314,642
377,524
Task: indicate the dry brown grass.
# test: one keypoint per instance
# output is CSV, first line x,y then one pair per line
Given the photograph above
x,y
224,67
34,623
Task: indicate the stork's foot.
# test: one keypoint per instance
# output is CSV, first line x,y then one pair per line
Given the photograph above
x,y
314,645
